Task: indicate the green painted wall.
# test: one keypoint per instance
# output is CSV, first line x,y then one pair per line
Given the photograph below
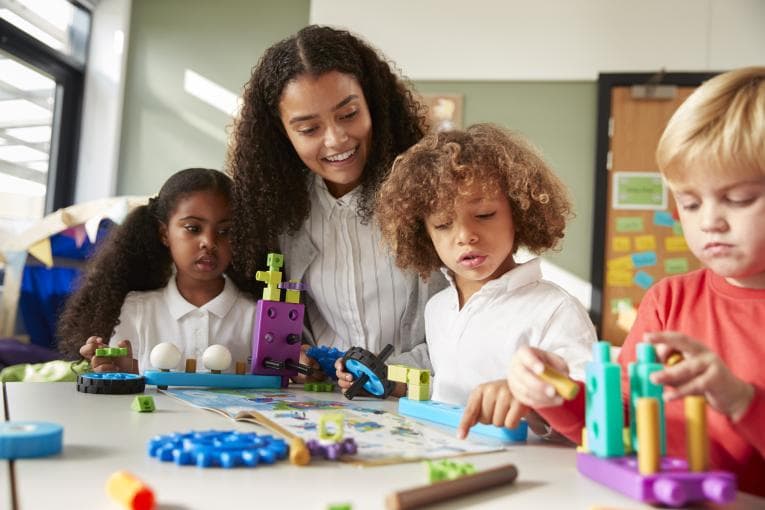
x,y
560,119
164,128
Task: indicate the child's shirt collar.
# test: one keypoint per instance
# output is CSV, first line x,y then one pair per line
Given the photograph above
x,y
219,305
327,202
520,276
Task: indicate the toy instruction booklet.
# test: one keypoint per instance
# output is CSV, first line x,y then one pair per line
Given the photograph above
x,y
382,437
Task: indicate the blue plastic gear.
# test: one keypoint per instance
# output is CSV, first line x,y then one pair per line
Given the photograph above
x,y
370,372
110,383
218,448
326,357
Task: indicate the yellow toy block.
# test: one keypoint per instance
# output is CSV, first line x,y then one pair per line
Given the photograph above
x,y
648,435
582,448
292,296
418,391
697,441
338,419
398,373
269,277
272,294
418,376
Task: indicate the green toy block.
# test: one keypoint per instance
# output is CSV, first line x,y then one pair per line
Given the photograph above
x,y
319,386
604,418
641,386
270,278
111,352
275,261
439,470
399,373
143,404
272,294
338,419
418,391
418,376
340,506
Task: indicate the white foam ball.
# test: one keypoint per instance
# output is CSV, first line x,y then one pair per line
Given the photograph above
x,y
216,357
165,356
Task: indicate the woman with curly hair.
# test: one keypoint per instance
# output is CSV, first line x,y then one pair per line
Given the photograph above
x,y
159,277
466,201
323,118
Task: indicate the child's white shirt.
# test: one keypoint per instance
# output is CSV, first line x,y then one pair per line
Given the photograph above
x,y
151,317
474,345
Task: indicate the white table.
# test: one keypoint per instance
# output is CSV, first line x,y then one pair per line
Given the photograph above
x,y
102,435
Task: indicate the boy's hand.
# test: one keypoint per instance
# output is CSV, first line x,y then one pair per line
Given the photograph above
x,y
701,372
317,375
104,364
489,403
344,379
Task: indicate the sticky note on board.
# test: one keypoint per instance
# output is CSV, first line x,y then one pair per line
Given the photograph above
x,y
619,278
675,243
621,243
663,219
677,229
629,224
644,259
620,263
620,304
676,265
643,279
645,243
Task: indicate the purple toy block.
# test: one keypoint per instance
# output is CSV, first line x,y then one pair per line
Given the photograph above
x,y
276,339
673,485
332,451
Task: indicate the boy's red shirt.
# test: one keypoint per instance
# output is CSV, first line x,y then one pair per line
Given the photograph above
x,y
731,322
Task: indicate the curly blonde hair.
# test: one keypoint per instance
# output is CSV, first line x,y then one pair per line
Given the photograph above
x,y
429,177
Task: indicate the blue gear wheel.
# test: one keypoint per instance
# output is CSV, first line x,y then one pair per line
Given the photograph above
x,y
326,358
370,371
110,383
218,448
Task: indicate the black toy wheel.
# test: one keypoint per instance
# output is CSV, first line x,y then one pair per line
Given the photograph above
x,y
111,383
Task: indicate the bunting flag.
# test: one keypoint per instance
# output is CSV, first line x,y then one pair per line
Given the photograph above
x,y
91,228
77,233
42,252
118,211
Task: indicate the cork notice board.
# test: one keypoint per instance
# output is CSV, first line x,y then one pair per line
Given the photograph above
x,y
639,240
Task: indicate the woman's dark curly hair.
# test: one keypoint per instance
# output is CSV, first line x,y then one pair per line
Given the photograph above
x,y
429,177
132,257
270,181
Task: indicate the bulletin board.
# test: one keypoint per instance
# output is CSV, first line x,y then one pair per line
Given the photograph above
x,y
637,237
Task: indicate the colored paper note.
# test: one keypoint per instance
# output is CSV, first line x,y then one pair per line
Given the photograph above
x,y
676,265
645,243
663,219
622,263
644,259
621,243
677,229
629,224
675,244
620,304
638,190
643,279
619,278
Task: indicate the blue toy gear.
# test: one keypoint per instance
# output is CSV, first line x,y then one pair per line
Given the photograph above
x,y
110,383
216,448
370,371
326,357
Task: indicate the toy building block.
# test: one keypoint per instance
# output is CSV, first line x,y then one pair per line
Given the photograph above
x,y
326,357
319,386
213,448
272,278
648,435
673,485
641,386
111,352
674,359
565,387
129,491
418,376
110,383
337,419
445,469
292,289
450,416
30,439
604,417
191,365
369,370
143,404
398,373
418,391
697,442
340,506
165,379
241,368
334,450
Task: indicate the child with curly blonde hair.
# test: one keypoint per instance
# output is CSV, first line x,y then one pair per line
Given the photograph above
x,y
467,200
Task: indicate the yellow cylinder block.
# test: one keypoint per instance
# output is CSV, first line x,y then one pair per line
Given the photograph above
x,y
648,435
697,442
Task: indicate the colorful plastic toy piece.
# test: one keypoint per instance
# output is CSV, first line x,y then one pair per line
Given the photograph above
x,y
649,457
319,386
332,451
565,387
338,419
673,485
28,439
450,415
160,378
292,289
129,491
111,352
143,404
326,357
418,392
697,441
340,506
369,370
110,383
641,386
278,329
604,417
214,448
399,373
446,469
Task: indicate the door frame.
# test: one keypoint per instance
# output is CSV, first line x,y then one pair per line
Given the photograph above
x,y
607,81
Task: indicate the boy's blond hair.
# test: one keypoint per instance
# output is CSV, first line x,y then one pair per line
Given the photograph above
x,y
718,130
